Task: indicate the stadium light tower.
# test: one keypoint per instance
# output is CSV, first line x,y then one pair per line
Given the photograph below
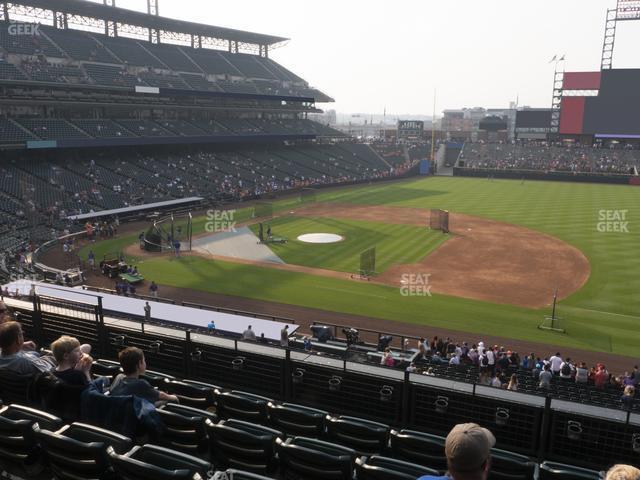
x,y
556,100
625,10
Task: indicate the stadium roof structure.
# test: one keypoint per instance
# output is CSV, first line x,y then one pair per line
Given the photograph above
x,y
84,12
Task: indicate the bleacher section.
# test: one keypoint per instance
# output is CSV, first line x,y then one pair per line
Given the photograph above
x,y
22,129
50,129
117,61
543,157
327,420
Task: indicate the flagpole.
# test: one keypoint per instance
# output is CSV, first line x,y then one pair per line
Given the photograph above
x,y
433,129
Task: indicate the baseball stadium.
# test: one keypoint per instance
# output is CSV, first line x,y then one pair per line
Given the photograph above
x,y
200,280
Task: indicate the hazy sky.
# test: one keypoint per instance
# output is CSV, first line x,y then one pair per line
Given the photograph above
x,y
372,54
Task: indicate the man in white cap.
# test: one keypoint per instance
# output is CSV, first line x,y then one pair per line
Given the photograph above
x,y
468,450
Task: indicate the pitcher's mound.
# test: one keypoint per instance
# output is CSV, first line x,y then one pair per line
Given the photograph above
x,y
320,238
241,243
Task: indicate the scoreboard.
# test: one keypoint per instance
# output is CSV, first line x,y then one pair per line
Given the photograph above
x,y
410,129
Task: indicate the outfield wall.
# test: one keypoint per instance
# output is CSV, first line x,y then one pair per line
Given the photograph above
x,y
549,176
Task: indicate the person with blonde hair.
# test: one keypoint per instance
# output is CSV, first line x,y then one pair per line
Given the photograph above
x,y
74,362
623,472
627,398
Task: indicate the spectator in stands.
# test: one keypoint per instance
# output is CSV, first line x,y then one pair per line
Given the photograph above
x,y
601,376
495,381
74,361
545,378
455,359
582,373
556,363
628,397
15,358
6,315
249,334
387,358
513,383
468,450
567,370
133,365
622,472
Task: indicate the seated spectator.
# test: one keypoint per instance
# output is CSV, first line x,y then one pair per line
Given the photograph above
x,y
495,381
15,358
387,358
513,383
133,365
455,360
5,313
468,451
249,334
74,362
622,472
628,397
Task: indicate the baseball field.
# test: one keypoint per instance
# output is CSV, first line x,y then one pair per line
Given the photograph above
x,y
512,245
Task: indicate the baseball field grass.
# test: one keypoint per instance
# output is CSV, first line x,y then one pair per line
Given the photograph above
x,y
604,315
394,243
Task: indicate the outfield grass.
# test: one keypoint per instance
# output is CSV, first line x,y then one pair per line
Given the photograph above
x,y
602,316
395,244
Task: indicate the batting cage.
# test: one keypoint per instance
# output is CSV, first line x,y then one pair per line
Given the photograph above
x,y
262,210
308,195
367,264
166,232
439,220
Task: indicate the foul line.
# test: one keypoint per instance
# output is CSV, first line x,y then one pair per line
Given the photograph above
x,y
600,311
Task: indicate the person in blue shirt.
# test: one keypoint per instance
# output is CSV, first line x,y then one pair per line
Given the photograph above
x,y
468,450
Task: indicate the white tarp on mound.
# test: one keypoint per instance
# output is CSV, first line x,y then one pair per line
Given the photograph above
x,y
239,244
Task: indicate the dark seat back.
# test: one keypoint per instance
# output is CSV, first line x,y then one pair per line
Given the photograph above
x,y
15,388
297,419
157,379
418,447
510,466
79,450
184,428
105,368
364,436
18,445
151,462
562,471
385,468
192,394
247,446
242,406
242,475
308,458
